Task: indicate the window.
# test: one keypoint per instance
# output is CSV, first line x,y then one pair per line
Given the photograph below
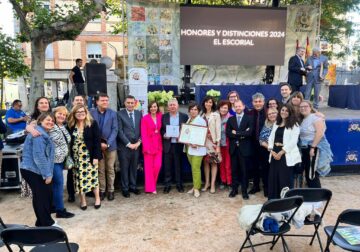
x,y
49,52
93,50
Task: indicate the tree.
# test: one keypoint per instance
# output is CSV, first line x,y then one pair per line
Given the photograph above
x,y
41,26
11,61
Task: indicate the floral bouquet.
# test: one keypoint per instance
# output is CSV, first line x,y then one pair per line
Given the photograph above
x,y
215,94
161,97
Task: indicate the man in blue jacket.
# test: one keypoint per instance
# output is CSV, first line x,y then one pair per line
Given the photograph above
x,y
108,124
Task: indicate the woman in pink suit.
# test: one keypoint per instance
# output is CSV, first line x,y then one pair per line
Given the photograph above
x,y
152,146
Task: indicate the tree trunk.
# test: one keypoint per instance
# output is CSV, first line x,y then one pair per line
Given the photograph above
x,y
2,92
38,48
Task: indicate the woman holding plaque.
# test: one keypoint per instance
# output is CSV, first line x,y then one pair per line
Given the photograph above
x,y
213,156
284,152
152,146
195,153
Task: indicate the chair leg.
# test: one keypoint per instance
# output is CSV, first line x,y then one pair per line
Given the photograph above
x,y
285,246
316,231
274,243
246,239
327,245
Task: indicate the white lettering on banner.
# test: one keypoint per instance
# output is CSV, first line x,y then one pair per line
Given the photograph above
x,y
191,32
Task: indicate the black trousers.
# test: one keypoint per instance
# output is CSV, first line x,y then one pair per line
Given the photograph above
x,y
173,159
70,183
307,166
295,88
129,160
239,170
80,88
260,166
42,198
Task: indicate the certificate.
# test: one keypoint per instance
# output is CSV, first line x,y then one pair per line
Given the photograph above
x,y
193,134
172,131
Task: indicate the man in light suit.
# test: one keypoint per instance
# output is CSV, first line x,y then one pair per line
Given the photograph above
x,y
129,142
297,70
239,130
108,124
172,149
317,66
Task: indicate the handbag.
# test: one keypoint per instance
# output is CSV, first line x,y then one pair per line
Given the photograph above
x,y
69,162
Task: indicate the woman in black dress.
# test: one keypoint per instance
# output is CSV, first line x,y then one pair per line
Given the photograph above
x,y
284,152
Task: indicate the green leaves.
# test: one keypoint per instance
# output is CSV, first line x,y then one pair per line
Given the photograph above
x,y
161,97
213,93
11,59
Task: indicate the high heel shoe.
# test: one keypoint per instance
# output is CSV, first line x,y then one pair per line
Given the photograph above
x,y
206,187
191,191
83,207
97,206
212,190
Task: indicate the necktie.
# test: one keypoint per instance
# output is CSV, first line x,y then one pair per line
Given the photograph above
x,y
132,120
238,118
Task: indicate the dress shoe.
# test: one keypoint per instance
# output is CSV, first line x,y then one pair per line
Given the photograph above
x,y
180,188
52,209
97,206
135,191
110,196
126,194
245,196
102,196
167,189
64,214
206,187
233,193
71,198
254,190
196,193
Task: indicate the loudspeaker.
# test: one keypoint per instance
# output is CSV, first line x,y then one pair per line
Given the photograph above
x,y
95,78
10,172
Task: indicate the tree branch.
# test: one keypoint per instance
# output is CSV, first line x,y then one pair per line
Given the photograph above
x,y
22,16
60,30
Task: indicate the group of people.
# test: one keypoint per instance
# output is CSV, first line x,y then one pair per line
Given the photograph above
x,y
275,142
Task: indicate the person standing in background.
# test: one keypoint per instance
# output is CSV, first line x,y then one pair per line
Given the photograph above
x,y
297,70
77,78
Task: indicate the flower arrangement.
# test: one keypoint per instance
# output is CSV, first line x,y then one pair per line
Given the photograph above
x,y
161,97
215,94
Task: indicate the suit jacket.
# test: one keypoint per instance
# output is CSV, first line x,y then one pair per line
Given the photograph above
x,y
127,133
290,140
262,118
110,127
214,125
166,121
92,141
242,136
295,74
150,134
314,74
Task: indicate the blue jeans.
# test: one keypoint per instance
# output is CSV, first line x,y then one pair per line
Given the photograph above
x,y
58,187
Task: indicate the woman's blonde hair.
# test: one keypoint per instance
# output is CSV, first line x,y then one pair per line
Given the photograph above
x,y
269,110
60,109
72,119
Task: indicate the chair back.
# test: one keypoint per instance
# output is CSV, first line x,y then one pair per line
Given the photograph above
x,y
282,205
33,236
350,216
311,194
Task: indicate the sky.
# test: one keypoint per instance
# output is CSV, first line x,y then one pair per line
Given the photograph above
x,y
7,18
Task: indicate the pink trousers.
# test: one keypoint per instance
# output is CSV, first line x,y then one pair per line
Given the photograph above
x,y
225,165
152,165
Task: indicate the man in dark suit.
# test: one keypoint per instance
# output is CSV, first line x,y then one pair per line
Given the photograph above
x,y
108,124
297,70
129,142
239,129
258,169
172,149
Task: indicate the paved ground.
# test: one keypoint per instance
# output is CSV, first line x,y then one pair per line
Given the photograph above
x,y
174,222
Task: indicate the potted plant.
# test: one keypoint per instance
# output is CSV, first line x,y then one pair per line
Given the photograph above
x,y
161,97
215,94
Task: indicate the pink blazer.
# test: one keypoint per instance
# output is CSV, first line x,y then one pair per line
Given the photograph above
x,y
150,134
